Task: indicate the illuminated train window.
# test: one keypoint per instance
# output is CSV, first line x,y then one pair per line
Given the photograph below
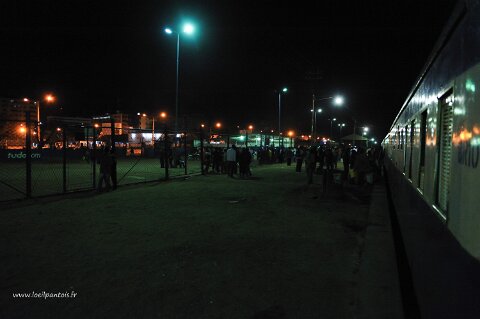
x,y
445,153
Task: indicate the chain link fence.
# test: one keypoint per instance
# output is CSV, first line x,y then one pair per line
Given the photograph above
x,y
57,157
61,156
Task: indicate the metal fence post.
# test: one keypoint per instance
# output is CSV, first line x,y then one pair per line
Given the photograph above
x,y
64,142
112,136
185,151
28,156
94,157
167,153
201,152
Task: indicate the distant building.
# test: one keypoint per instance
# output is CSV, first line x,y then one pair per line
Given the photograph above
x,y
68,120
13,121
14,109
122,123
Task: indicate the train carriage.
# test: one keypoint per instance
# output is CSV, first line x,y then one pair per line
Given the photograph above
x,y
433,168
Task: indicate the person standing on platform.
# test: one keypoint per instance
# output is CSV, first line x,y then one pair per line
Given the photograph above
x,y
310,160
231,160
299,158
346,162
329,159
245,160
288,156
361,166
321,159
113,170
105,170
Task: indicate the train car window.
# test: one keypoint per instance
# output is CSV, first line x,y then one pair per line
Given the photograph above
x,y
395,140
445,152
401,139
423,143
412,135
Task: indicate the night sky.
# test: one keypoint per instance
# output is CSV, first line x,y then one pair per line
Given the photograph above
x,y
99,56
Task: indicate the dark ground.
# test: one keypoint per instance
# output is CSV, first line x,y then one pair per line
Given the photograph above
x,y
203,247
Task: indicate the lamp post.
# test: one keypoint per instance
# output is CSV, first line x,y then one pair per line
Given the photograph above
x,y
341,126
284,90
49,98
365,130
290,134
364,134
337,100
317,111
163,115
331,126
187,29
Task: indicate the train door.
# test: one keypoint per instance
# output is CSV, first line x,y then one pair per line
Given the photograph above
x,y
412,134
423,143
445,152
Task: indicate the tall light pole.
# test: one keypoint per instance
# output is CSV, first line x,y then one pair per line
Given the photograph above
x,y
331,127
341,126
187,29
49,98
337,100
284,90
314,123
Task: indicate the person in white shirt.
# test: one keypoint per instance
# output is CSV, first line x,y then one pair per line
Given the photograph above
x,y
231,160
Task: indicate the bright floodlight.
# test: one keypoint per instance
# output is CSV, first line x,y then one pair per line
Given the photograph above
x,y
319,110
168,31
338,100
188,28
284,90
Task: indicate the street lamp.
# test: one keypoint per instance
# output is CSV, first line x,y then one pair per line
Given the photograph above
x,y
290,134
49,98
337,100
341,125
331,128
315,119
284,90
163,115
365,130
249,128
187,29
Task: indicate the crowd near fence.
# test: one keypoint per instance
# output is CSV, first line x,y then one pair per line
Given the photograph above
x,y
57,157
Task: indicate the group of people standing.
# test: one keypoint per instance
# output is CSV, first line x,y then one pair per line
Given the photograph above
x,y
360,166
231,161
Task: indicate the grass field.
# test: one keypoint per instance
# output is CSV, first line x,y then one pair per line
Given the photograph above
x,y
47,177
203,247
